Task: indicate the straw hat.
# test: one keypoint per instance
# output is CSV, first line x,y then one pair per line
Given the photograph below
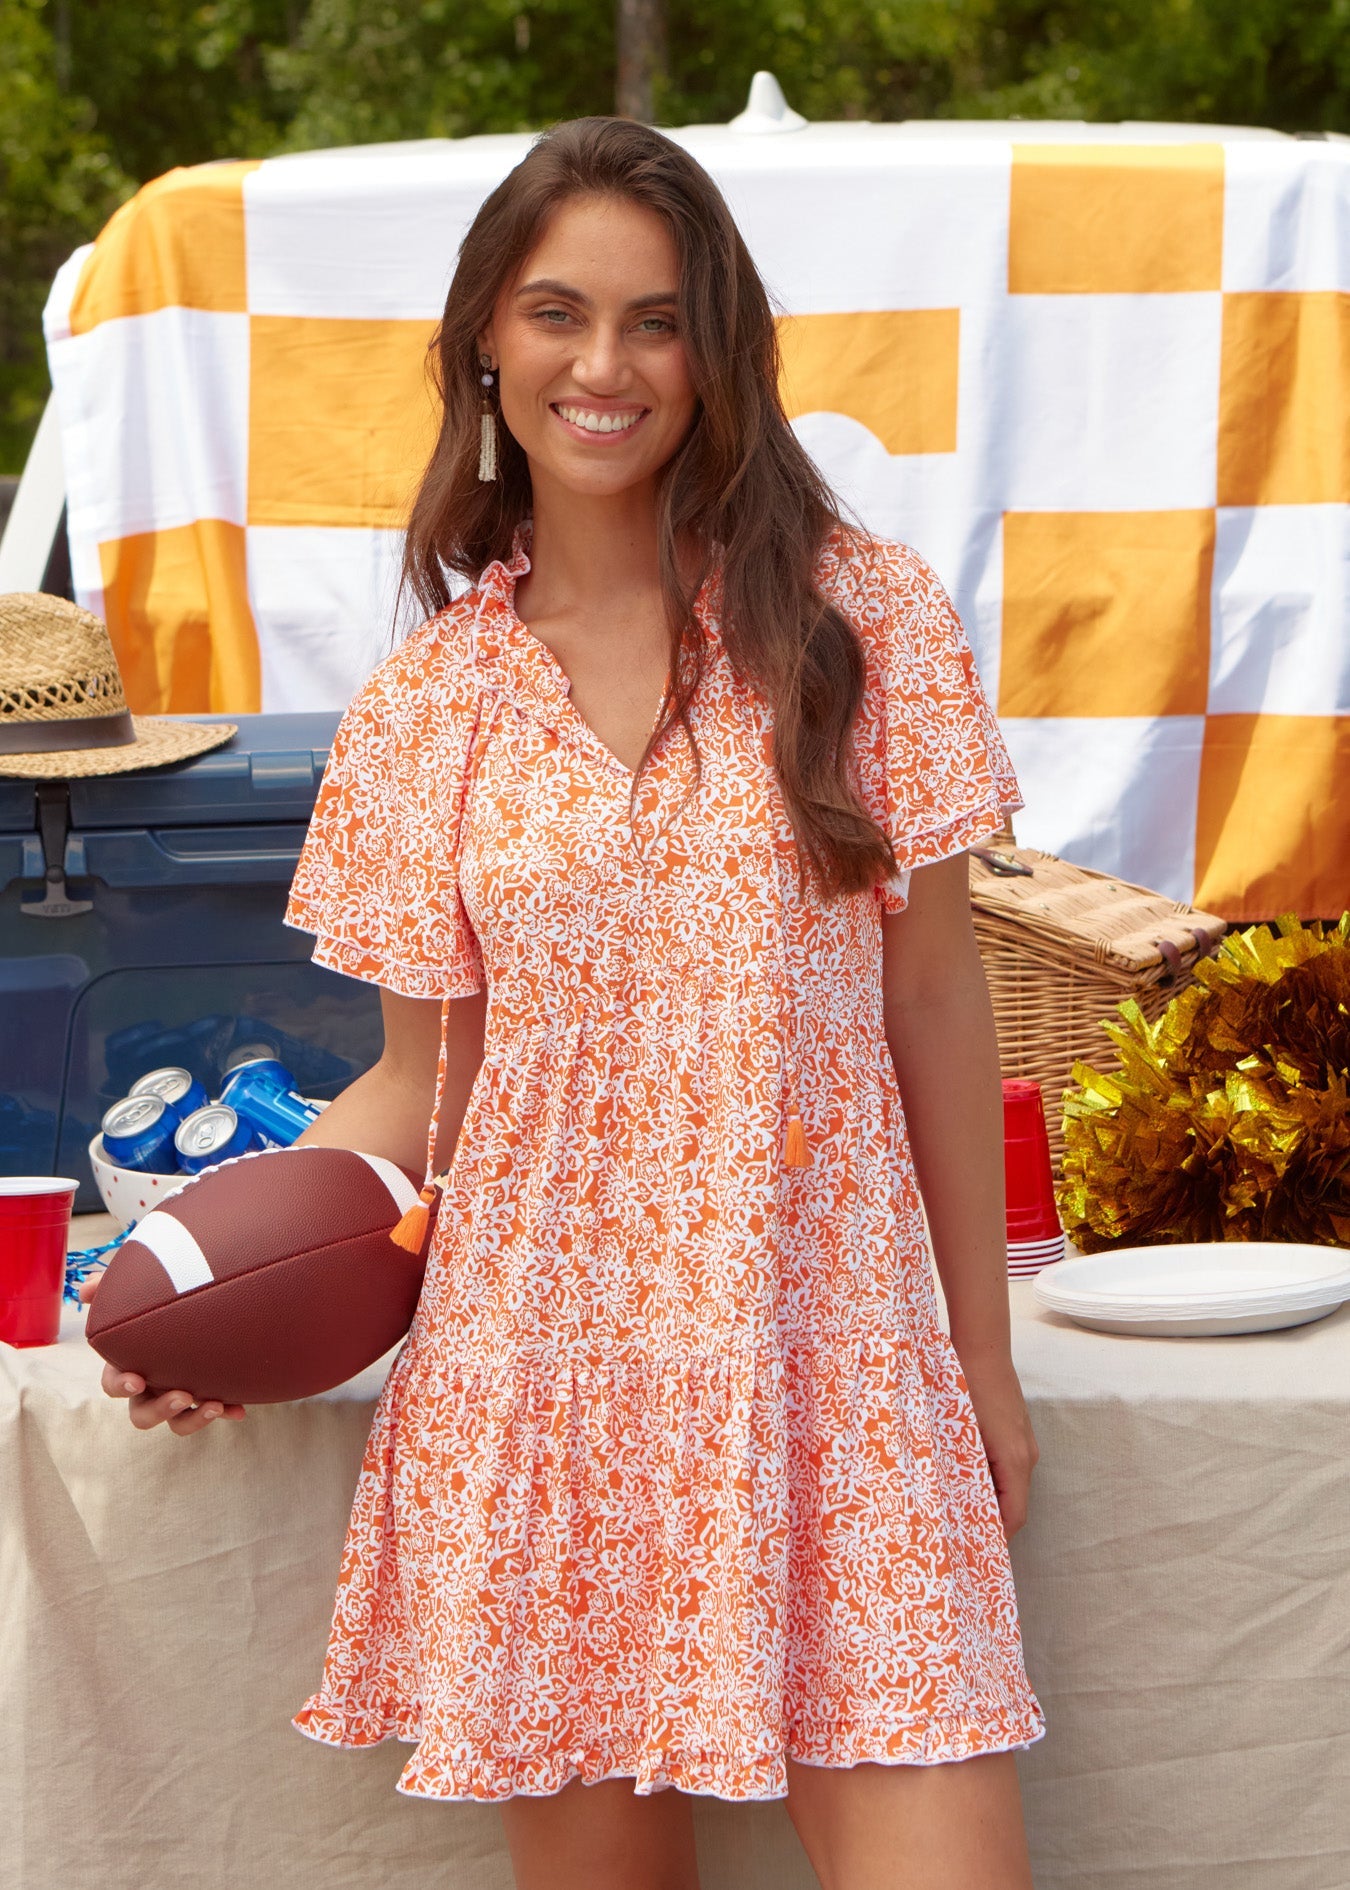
x,y
63,711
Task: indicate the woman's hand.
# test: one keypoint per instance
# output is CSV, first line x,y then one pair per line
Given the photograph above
x,y
178,1409
1006,1433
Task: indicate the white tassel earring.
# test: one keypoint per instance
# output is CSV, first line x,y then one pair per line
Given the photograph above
x,y
487,425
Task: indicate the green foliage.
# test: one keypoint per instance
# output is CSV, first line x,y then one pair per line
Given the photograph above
x,y
365,71
97,95
58,182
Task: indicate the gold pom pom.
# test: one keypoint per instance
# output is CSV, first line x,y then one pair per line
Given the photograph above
x,y
1229,1118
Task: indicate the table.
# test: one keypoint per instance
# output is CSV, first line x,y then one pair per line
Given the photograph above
x,y
1184,1585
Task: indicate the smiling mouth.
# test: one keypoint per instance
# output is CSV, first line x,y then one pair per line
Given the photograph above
x,y
595,421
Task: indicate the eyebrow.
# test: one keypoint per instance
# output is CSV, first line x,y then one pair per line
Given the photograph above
x,y
548,285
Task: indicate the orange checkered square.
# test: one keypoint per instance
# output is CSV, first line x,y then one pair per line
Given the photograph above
x,y
1106,613
341,420
1115,219
893,370
1284,387
1273,825
178,243
176,604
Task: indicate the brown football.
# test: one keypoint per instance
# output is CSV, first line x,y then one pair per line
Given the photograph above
x,y
267,1278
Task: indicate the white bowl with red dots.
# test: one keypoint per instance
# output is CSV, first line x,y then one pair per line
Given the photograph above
x,y
128,1193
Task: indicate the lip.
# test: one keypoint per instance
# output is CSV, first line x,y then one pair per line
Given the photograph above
x,y
599,439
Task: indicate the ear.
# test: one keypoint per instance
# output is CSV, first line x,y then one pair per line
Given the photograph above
x,y
487,345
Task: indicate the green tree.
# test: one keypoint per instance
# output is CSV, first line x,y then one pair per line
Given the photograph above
x,y
178,81
99,95
366,71
58,183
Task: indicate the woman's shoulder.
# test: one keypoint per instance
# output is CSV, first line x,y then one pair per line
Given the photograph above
x,y
884,587
430,673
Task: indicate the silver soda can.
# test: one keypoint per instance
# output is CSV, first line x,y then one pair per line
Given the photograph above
x,y
179,1088
210,1135
138,1133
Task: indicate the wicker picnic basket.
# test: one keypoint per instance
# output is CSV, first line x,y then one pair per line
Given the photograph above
x,y
1062,946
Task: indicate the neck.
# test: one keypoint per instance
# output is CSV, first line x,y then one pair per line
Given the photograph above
x,y
595,547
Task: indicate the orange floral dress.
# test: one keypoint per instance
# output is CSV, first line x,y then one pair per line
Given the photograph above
x,y
676,1473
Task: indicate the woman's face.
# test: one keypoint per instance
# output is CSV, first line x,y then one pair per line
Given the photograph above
x,y
594,378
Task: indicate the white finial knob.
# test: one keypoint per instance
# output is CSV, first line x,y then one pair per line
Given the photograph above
x,y
766,110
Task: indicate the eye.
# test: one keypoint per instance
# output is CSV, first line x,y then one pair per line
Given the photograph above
x,y
553,317
656,325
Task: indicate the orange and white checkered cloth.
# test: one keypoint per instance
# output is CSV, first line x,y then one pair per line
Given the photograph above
x,y
1101,382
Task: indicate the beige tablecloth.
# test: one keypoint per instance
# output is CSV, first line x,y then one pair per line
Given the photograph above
x,y
1184,1586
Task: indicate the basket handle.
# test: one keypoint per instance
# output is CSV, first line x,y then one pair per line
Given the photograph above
x,y
1002,864
1171,957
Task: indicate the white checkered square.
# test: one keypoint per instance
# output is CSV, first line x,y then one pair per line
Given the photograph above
x,y
1277,642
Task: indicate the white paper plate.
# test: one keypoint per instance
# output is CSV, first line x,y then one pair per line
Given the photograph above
x,y
1204,1289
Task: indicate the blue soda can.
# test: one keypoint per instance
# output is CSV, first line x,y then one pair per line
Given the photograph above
x,y
211,1135
179,1088
264,1095
138,1133
263,1069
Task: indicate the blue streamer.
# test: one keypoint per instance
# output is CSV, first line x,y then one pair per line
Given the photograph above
x,y
80,1265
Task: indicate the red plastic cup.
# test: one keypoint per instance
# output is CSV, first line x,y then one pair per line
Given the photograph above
x,y
1035,1237
34,1235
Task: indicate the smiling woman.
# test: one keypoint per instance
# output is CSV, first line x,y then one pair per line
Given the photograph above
x,y
672,303
654,838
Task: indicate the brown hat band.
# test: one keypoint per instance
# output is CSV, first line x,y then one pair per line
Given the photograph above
x,y
75,731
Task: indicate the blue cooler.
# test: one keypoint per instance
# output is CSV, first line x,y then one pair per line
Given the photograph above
x,y
141,925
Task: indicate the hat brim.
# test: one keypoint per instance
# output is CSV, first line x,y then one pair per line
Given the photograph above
x,y
159,741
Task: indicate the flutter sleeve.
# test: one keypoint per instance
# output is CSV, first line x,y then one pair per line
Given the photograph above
x,y
932,766
378,878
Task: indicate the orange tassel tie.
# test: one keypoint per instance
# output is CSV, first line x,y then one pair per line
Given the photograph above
x,y
410,1232
796,1154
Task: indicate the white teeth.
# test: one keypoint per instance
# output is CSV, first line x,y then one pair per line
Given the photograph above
x,y
599,422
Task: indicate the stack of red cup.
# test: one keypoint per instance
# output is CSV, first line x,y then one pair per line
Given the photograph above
x,y
34,1229
1035,1237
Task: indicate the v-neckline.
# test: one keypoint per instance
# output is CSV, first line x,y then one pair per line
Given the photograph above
x,y
590,735
525,638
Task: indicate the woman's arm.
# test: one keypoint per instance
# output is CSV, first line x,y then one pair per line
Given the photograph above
x,y
388,1110
940,1031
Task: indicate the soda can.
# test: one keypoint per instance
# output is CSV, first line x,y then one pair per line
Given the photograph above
x,y
138,1133
211,1135
274,1111
179,1088
262,1070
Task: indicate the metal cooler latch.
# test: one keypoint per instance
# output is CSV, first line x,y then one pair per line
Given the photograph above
x,y
53,809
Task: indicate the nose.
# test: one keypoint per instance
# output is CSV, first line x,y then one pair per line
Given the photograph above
x,y
601,365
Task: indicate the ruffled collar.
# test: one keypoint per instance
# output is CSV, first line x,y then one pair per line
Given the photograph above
x,y
514,661
508,657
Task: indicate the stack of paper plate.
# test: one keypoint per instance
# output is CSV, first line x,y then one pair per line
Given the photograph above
x,y
1162,1292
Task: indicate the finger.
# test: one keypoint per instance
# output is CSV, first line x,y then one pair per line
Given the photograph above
x,y
89,1286
120,1384
1012,1505
151,1407
195,1419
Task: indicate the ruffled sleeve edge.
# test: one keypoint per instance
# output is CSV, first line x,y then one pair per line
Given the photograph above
x,y
944,842
308,909
355,961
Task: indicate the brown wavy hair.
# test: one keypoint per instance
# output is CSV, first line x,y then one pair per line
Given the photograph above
x,y
741,488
